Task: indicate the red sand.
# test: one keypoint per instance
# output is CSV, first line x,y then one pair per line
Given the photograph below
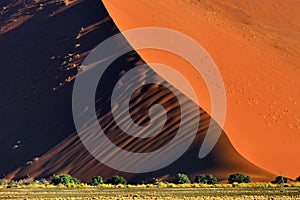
x,y
256,46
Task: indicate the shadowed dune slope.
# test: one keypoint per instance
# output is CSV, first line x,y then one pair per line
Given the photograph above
x,y
256,46
42,44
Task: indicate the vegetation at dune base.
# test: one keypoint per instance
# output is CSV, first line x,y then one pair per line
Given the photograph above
x,y
116,180
64,179
239,178
24,182
3,182
97,180
280,180
181,181
206,179
182,178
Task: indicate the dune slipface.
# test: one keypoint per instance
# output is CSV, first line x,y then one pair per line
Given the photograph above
x,y
256,46
42,45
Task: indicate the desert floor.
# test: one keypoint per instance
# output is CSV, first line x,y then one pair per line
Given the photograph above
x,y
152,193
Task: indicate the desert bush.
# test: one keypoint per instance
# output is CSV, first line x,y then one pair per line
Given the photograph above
x,y
206,179
280,180
182,178
239,178
298,179
115,180
27,181
97,180
3,182
13,182
64,179
20,182
41,181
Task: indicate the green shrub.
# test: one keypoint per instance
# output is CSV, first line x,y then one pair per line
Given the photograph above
x,y
97,180
181,179
280,179
206,179
298,179
239,178
64,179
247,179
115,180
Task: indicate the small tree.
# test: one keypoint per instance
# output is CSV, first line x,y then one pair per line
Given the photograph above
x,y
97,180
247,179
239,178
115,180
201,179
298,179
64,179
280,180
206,179
182,178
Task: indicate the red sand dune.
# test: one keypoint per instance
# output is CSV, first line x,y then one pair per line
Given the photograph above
x,y
42,44
256,46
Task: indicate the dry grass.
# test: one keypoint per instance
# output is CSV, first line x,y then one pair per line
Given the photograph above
x,y
144,192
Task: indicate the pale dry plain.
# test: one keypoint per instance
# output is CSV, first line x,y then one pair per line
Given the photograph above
x,y
152,193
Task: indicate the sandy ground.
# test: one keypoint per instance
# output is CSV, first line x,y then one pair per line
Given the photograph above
x,y
256,46
152,193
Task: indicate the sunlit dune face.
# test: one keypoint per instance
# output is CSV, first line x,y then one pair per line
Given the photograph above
x,y
256,46
188,71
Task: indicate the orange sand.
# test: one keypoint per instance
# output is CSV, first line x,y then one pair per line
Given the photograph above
x,y
256,46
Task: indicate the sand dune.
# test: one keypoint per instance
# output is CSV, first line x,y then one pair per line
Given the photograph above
x,y
40,53
256,46
70,156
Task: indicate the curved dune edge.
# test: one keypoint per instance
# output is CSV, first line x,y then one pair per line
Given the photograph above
x,y
256,46
70,156
42,140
